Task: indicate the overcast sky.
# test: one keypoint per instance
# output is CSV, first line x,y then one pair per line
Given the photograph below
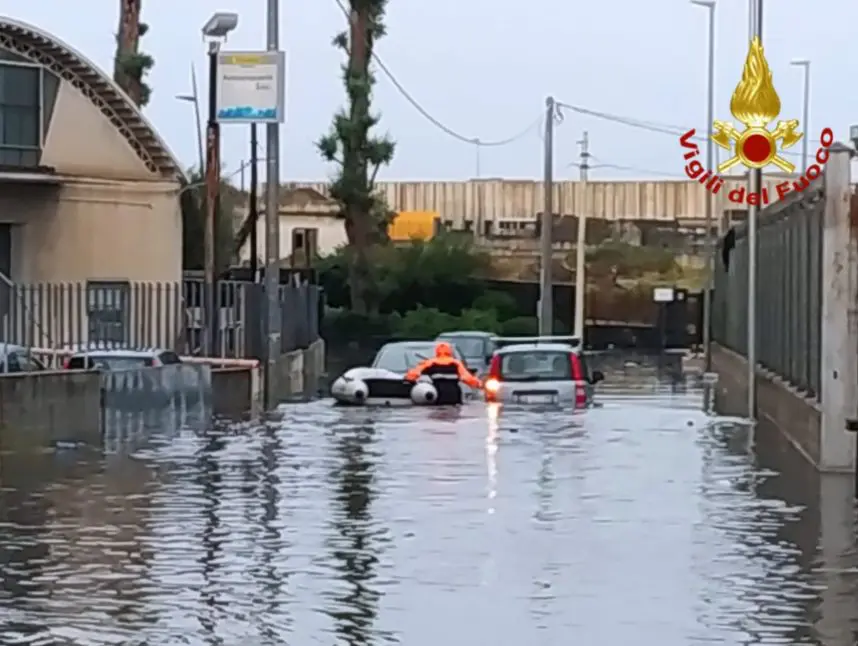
x,y
484,68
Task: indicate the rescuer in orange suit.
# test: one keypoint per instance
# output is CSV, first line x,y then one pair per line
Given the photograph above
x,y
445,371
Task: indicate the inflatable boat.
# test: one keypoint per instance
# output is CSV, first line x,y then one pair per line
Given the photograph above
x,y
380,387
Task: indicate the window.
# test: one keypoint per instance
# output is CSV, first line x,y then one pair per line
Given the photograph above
x,y
107,310
538,365
169,358
20,114
26,363
78,363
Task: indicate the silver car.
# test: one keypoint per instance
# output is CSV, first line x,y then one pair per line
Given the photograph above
x,y
541,371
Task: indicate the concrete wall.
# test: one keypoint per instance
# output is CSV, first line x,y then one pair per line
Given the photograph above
x,y
236,391
89,229
797,417
299,372
37,410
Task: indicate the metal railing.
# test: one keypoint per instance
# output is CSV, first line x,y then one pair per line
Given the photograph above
x,y
789,291
164,315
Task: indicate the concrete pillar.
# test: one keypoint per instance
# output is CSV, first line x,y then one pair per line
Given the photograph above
x,y
839,383
836,568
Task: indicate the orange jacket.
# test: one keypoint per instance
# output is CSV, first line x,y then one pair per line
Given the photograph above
x,y
444,357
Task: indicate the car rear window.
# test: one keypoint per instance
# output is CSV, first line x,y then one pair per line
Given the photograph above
x,y
537,365
121,363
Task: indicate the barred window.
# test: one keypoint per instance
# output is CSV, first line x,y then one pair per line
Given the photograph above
x,y
20,115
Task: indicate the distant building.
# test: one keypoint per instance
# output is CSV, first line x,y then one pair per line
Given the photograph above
x,y
88,190
509,207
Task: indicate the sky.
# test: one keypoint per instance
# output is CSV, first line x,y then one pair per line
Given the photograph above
x,y
484,68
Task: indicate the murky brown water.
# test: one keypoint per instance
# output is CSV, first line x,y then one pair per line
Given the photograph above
x,y
640,522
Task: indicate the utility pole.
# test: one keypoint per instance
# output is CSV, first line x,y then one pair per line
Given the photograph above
x,y
212,208
546,291
253,210
756,177
581,245
272,227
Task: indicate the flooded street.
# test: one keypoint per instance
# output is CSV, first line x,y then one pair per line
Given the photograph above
x,y
642,521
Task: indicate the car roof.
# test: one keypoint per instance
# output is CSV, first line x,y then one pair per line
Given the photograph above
x,y
532,347
12,347
467,333
126,353
413,346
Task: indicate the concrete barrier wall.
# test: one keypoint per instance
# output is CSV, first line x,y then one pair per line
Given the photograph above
x,y
40,409
236,391
299,372
798,417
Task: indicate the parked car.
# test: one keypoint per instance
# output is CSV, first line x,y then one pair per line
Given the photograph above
x,y
541,370
120,359
17,358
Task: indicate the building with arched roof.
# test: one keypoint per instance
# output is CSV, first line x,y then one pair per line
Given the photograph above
x,y
88,190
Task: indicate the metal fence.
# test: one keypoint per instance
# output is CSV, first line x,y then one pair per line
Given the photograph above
x,y
164,315
789,291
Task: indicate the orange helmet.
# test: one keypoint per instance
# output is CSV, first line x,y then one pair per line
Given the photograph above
x,y
443,349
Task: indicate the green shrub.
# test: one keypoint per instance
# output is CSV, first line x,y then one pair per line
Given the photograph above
x,y
521,326
501,302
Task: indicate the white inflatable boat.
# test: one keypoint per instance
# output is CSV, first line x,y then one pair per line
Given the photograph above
x,y
380,387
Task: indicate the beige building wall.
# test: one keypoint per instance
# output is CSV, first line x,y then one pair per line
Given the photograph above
x,y
331,233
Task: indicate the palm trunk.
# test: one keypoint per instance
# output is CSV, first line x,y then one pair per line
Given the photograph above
x,y
128,44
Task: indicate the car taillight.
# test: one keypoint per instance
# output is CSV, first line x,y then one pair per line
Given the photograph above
x,y
66,363
495,368
492,384
578,376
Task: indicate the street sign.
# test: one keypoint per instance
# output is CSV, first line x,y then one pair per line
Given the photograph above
x,y
251,87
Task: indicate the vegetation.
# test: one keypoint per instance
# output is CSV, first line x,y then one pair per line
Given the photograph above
x,y
194,223
130,64
443,272
358,154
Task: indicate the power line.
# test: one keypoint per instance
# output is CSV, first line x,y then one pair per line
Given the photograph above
x,y
475,141
650,126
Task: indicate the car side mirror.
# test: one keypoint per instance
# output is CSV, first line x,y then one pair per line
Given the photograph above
x,y
597,376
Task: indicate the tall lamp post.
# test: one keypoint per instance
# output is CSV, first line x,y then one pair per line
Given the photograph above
x,y
710,162
805,117
194,98
215,31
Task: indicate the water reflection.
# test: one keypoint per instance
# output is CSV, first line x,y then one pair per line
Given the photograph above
x,y
427,526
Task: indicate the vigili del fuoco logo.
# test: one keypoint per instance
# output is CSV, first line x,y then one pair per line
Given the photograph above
x,y
755,104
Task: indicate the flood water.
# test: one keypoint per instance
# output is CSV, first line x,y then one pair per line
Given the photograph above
x,y
644,521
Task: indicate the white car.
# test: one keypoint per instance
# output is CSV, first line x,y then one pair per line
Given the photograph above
x,y
541,370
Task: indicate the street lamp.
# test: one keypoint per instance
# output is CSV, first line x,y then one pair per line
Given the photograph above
x,y
710,151
194,98
805,64
215,31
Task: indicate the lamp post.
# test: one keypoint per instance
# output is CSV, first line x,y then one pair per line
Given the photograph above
x,y
709,5
805,117
215,31
194,98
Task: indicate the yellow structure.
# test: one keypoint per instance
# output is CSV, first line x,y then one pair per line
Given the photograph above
x,y
88,191
413,225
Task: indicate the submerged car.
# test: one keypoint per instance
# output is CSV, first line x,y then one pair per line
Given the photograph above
x,y
383,383
476,347
541,370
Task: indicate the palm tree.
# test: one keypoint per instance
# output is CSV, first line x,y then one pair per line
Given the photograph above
x,y
194,223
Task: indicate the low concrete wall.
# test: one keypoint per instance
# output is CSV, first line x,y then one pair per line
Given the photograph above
x,y
299,372
39,409
236,391
797,417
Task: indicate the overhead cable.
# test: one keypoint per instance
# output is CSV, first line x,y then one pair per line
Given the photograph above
x,y
476,141
651,126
